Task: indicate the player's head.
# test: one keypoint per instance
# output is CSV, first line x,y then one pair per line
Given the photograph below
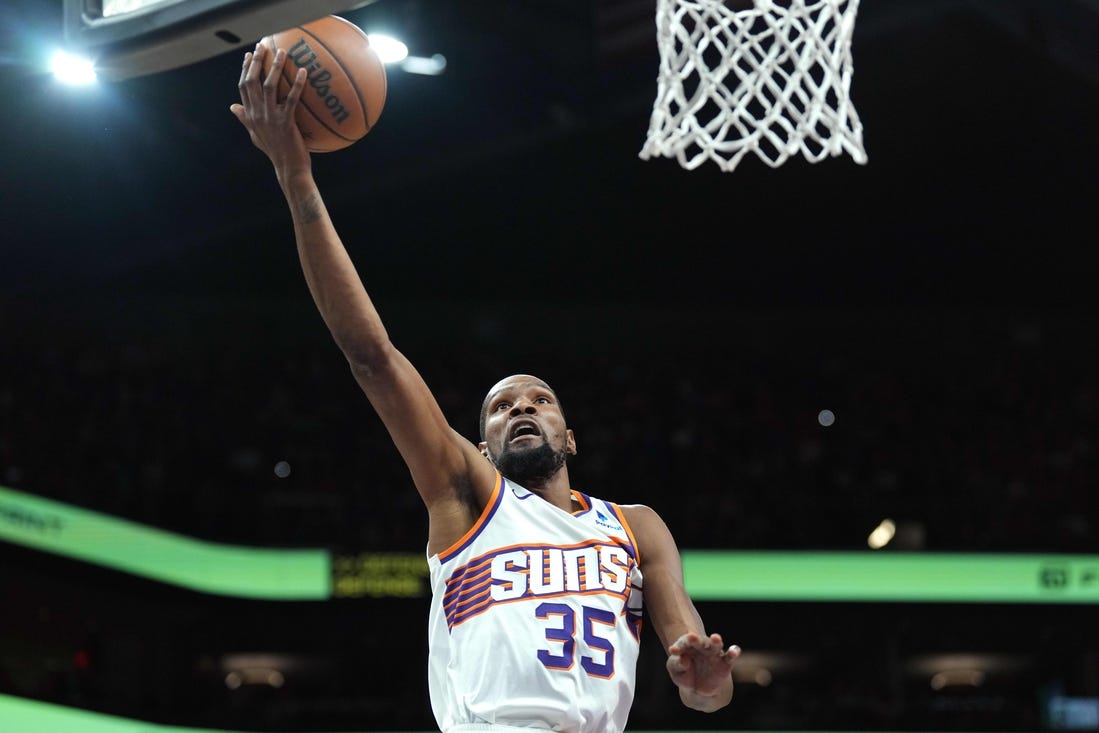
x,y
523,430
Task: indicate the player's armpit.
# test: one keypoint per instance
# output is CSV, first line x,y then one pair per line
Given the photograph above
x,y
667,604
697,663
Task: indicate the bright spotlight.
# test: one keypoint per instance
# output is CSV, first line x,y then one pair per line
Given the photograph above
x,y
72,70
957,678
389,49
429,65
882,534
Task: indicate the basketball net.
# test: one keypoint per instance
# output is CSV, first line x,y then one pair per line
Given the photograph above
x,y
769,79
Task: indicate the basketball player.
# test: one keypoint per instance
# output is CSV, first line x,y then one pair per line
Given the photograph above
x,y
537,587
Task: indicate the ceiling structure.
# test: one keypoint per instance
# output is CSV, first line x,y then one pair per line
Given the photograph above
x,y
977,113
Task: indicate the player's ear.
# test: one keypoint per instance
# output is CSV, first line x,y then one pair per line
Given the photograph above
x,y
570,443
483,447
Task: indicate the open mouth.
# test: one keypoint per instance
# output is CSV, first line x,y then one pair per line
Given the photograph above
x,y
523,429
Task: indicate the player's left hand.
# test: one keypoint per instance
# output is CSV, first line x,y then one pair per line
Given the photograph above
x,y
701,665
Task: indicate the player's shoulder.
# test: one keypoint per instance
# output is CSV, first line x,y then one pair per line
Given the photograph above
x,y
642,517
653,538
641,510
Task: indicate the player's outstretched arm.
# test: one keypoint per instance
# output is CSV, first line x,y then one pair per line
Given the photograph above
x,y
444,466
698,663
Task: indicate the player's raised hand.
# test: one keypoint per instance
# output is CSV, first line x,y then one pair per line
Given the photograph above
x,y
702,668
269,120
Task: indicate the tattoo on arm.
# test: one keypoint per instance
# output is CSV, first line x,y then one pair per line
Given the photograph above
x,y
310,209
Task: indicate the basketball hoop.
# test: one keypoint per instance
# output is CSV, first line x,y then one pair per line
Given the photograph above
x,y
772,78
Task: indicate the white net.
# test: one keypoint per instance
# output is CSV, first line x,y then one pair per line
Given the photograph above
x,y
768,78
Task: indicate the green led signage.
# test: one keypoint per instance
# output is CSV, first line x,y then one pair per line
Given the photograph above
x,y
891,577
134,548
313,574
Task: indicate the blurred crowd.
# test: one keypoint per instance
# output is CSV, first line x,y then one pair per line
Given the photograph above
x,y
753,430
239,422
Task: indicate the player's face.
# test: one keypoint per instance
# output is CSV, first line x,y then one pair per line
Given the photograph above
x,y
525,433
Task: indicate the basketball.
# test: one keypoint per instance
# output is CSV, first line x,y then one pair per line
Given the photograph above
x,y
345,85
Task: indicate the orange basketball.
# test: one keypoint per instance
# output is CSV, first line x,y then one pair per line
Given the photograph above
x,y
345,84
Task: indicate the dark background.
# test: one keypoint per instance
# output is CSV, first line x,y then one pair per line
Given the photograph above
x,y
161,354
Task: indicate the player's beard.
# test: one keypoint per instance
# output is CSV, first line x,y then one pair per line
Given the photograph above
x,y
530,467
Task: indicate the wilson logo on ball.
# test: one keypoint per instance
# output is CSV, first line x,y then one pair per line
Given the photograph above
x,y
304,57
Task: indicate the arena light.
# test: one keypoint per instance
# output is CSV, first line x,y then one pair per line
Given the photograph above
x,y
71,69
957,678
389,49
882,534
393,51
426,65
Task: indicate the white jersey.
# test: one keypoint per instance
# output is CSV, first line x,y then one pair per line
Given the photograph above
x,y
554,649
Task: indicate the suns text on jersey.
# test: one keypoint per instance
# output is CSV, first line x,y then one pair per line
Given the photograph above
x,y
543,571
521,572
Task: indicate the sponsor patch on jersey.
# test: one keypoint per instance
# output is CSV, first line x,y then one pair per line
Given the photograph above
x,y
603,520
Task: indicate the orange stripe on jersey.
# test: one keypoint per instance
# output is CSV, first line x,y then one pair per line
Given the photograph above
x,y
488,511
581,500
633,622
478,589
474,601
626,526
468,574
